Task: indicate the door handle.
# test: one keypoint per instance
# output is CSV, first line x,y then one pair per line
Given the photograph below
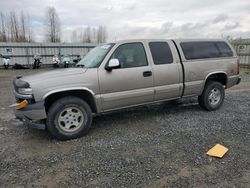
x,y
147,73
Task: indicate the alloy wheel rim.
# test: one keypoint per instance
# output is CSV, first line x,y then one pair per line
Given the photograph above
x,y
70,119
214,96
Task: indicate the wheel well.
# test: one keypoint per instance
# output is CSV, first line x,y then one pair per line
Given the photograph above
x,y
83,94
219,77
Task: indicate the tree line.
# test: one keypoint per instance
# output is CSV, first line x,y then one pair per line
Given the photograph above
x,y
15,28
18,28
90,34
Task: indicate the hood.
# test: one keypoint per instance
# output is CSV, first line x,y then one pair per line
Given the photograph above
x,y
50,75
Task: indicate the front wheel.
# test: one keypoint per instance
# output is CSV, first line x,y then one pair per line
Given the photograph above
x,y
69,118
212,96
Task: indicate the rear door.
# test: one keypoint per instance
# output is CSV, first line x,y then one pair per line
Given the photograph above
x,y
167,71
132,83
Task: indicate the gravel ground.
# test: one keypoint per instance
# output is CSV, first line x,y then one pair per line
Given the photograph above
x,y
152,146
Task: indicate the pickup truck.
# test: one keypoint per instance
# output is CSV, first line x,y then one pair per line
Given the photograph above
x,y
126,74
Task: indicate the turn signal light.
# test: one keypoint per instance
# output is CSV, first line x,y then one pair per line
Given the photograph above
x,y
22,104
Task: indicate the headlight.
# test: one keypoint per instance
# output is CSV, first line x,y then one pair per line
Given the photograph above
x,y
26,91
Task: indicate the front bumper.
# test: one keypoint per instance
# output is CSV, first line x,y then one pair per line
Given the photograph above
x,y
34,111
33,124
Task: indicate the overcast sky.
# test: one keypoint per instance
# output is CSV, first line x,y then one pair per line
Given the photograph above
x,y
127,19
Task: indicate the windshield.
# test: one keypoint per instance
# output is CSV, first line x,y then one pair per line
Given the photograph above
x,y
94,58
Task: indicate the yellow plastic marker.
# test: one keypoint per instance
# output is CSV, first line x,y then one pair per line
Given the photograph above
x,y
217,151
22,104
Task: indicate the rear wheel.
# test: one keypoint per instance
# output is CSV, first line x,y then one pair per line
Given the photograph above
x,y
69,118
212,96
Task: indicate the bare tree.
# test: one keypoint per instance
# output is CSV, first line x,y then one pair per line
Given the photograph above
x,y
94,34
74,36
29,32
87,35
30,36
22,36
15,28
52,25
79,35
14,31
101,34
25,32
3,32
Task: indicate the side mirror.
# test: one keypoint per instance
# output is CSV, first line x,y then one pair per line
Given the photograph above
x,y
113,64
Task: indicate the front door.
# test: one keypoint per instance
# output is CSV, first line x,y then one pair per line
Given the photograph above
x,y
131,83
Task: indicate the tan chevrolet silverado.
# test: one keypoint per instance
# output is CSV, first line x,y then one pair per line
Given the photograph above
x,y
126,74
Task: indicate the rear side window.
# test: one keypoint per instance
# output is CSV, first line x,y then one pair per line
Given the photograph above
x,y
204,50
225,50
161,53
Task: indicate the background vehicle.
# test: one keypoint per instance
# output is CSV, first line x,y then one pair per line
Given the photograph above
x,y
6,61
55,61
37,61
66,61
126,74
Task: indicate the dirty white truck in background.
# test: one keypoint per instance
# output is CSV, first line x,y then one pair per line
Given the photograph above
x,y
126,74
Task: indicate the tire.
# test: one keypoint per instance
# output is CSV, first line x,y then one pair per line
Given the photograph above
x,y
69,118
212,96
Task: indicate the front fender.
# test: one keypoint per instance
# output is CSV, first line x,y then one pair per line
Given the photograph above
x,y
67,89
94,100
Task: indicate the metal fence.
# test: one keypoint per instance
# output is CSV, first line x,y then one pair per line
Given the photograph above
x,y
23,53
242,47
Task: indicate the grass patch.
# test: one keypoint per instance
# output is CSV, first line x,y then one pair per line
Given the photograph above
x,y
245,69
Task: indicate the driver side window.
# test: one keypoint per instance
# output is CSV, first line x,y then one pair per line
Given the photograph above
x,y
131,55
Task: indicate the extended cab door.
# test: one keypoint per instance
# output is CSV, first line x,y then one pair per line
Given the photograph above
x,y
131,83
167,70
